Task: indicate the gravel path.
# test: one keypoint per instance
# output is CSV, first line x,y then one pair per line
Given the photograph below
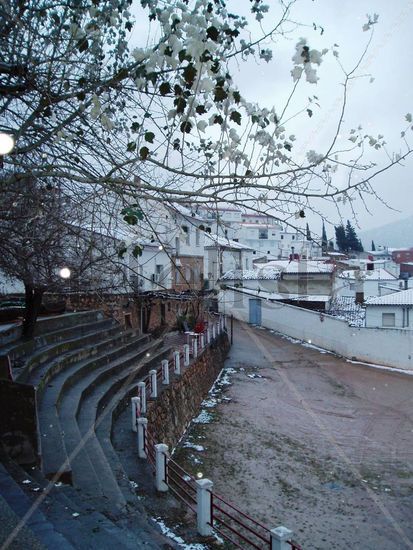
x,y
310,441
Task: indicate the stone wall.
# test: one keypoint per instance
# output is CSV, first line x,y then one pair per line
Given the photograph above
x,y
18,426
169,415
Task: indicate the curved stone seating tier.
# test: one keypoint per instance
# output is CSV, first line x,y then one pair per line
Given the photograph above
x,y
40,363
105,363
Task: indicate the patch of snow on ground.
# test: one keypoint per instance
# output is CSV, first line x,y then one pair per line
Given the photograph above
x,y
190,445
204,417
179,540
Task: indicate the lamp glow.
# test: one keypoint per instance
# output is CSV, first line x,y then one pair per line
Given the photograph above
x,y
65,273
6,143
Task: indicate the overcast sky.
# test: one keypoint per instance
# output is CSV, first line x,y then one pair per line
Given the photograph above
x,y
380,106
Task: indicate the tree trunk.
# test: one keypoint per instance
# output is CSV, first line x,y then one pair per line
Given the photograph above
x,y
33,303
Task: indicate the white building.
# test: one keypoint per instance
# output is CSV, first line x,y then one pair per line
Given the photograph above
x,y
391,311
369,283
153,269
222,255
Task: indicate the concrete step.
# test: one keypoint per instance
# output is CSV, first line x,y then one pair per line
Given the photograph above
x,y
89,467
97,344
95,410
89,528
53,451
86,334
36,522
47,331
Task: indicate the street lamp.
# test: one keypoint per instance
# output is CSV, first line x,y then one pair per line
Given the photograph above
x,y
6,143
65,273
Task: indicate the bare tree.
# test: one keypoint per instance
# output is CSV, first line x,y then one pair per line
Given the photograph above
x,y
85,108
42,230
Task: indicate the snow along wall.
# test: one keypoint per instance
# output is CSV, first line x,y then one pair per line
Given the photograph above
x,y
389,347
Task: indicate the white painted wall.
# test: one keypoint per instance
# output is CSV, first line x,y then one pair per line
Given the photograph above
x,y
403,318
390,347
153,264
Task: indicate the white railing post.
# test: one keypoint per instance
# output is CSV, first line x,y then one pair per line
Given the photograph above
x,y
218,328
142,395
203,506
154,383
208,335
165,371
213,331
279,538
161,457
186,355
195,347
135,407
177,362
142,427
202,341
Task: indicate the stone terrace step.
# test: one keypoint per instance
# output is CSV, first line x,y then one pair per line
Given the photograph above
x,y
37,522
86,334
48,325
90,529
99,342
54,456
89,468
96,409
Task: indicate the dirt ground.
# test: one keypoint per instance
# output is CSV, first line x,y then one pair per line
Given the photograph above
x,y
305,439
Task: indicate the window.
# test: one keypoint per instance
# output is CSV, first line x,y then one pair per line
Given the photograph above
x,y
352,286
268,252
388,319
185,229
177,241
293,237
235,240
263,234
282,237
197,237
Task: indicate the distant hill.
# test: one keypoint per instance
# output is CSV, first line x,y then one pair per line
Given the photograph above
x,y
394,234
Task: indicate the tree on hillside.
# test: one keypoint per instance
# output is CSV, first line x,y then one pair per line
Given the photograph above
x,y
324,242
43,230
373,246
352,241
166,121
341,239
308,233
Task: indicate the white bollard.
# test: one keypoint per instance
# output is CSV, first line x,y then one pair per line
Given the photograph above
x,y
135,407
142,395
186,355
177,362
213,331
195,347
142,427
279,538
154,383
161,458
203,507
202,341
165,371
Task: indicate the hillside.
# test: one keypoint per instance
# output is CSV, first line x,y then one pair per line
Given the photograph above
x,y
399,233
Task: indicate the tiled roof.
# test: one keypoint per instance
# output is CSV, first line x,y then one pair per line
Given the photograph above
x,y
372,275
402,298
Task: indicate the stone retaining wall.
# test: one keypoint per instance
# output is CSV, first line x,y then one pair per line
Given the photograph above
x,y
169,415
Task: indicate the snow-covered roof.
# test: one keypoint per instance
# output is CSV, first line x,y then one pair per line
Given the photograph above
x,y
186,212
214,240
402,298
370,275
303,266
284,296
251,274
261,225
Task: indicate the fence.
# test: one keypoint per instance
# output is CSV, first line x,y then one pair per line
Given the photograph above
x,y
213,512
